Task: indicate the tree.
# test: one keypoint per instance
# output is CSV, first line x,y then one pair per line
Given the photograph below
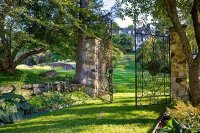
x,y
29,27
124,42
80,75
177,13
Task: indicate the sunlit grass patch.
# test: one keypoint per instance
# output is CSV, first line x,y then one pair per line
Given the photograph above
x,y
94,116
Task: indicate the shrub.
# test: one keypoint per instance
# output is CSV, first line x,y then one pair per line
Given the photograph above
x,y
54,99
117,56
13,107
185,116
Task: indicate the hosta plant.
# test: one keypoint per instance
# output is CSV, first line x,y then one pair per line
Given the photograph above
x,y
13,107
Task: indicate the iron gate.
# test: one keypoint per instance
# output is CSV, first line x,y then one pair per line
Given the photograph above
x,y
152,69
105,92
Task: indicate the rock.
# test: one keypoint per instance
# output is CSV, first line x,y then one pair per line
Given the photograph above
x,y
179,80
49,74
6,89
38,85
27,86
37,91
25,93
59,86
48,87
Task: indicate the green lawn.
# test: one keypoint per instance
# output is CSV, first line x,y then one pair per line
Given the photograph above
x,y
31,76
96,116
124,75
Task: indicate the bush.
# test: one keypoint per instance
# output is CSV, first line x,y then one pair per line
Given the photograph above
x,y
117,56
54,99
185,117
13,107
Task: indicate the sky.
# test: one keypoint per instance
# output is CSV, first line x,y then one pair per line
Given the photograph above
x,y
122,23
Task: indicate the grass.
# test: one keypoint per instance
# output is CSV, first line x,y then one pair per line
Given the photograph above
x,y
96,116
124,77
31,76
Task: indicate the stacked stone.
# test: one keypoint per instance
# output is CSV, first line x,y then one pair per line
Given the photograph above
x,y
179,75
34,89
92,64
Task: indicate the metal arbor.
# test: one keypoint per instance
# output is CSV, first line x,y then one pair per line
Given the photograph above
x,y
152,68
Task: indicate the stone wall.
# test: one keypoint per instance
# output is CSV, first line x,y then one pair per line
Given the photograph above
x,y
28,90
179,75
92,66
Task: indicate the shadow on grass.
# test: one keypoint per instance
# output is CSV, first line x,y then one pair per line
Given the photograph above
x,y
79,117
70,124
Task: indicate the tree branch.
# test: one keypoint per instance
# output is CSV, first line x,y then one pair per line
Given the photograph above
x,y
24,56
15,51
173,15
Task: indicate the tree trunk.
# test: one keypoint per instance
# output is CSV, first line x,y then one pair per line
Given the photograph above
x,y
194,82
7,66
6,63
194,64
80,76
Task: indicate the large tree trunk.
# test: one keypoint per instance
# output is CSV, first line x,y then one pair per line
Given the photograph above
x,y
194,82
80,76
6,64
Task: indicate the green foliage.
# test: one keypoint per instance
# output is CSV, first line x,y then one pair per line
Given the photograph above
x,y
154,49
173,126
37,26
117,55
13,107
54,99
187,116
124,42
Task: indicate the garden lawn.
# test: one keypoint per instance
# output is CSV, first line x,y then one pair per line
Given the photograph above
x,y
32,76
124,74
95,116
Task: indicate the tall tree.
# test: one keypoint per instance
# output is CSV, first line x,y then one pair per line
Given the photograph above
x,y
193,63
80,76
177,13
29,27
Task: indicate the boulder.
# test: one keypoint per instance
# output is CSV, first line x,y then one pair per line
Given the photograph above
x,y
49,74
48,87
6,89
59,86
37,91
38,85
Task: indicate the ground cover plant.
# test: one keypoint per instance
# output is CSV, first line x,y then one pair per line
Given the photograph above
x,y
13,107
183,118
56,100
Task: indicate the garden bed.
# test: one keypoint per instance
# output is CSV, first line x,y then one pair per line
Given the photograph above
x,y
180,118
